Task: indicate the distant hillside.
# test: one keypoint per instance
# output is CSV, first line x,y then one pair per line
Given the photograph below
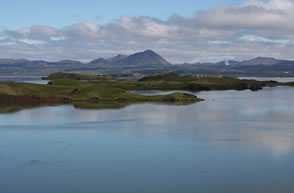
x,y
144,58
148,62
261,61
116,59
255,61
112,60
226,63
147,57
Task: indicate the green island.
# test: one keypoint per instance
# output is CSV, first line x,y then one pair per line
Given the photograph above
x,y
62,75
109,91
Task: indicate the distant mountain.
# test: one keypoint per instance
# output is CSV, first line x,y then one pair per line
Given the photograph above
x,y
99,61
69,62
221,63
196,64
147,57
12,61
227,63
116,59
261,61
148,62
144,58
4,61
112,60
252,62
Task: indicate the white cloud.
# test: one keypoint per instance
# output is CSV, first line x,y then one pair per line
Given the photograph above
x,y
243,31
32,33
146,26
273,19
84,30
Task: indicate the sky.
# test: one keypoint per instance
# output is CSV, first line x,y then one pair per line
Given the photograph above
x,y
179,30
58,13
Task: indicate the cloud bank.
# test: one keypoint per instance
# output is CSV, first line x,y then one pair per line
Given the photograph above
x,y
243,31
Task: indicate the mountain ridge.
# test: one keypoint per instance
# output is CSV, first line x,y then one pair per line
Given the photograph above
x,y
146,62
147,57
124,60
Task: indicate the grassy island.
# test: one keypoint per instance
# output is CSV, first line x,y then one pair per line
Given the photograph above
x,y
101,91
82,94
73,76
172,81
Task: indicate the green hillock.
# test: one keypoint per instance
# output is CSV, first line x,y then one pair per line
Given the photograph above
x,y
89,91
73,91
61,75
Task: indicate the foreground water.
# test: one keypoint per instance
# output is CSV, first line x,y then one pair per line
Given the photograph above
x,y
232,142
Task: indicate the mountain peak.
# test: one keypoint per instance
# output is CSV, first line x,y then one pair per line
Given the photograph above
x,y
147,57
149,51
263,58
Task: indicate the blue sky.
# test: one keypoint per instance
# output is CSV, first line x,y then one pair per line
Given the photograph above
x,y
57,13
181,31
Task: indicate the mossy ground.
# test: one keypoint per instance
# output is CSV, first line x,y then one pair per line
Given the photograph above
x,y
61,75
117,93
81,94
172,81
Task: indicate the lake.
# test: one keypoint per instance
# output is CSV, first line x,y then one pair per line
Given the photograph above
x,y
38,80
234,141
27,79
279,79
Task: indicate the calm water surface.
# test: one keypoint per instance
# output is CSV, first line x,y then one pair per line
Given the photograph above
x,y
279,79
234,142
28,79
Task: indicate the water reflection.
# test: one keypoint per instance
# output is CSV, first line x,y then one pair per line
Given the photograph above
x,y
234,141
224,115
